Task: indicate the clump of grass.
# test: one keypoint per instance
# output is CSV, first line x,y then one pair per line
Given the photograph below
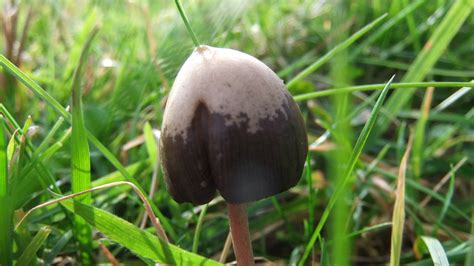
x,y
132,64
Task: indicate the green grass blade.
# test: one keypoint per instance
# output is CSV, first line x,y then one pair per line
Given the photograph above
x,y
436,250
414,34
151,144
370,87
324,261
420,129
29,254
404,66
470,255
6,241
197,233
44,157
186,22
80,157
356,152
398,218
428,191
447,201
386,26
340,47
311,193
370,229
138,241
429,55
33,86
3,160
41,93
57,248
50,135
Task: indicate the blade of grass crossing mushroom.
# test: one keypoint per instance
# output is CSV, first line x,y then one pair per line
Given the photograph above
x,y
342,46
398,219
356,152
6,240
429,55
80,157
29,254
41,93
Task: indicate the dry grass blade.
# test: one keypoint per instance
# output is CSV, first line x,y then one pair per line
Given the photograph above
x,y
452,99
398,218
225,250
443,181
418,142
156,223
110,257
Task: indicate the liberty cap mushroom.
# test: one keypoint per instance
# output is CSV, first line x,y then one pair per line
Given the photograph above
x,y
231,125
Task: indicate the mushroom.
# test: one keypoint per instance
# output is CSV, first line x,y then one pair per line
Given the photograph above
x,y
230,125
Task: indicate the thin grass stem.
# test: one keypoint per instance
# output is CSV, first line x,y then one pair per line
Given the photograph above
x,y
186,22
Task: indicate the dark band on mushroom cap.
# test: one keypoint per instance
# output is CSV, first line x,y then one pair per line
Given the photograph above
x,y
244,157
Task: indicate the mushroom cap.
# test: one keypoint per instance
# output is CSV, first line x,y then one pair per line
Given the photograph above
x,y
230,124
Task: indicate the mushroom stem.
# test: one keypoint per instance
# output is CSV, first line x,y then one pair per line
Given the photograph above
x,y
239,229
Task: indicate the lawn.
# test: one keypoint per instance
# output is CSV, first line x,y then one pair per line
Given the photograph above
x,y
384,88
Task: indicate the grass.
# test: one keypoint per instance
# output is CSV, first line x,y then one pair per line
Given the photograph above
x,y
102,112
80,156
398,217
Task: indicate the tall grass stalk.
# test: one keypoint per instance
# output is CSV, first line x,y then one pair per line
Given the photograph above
x,y
6,237
340,71
80,157
359,146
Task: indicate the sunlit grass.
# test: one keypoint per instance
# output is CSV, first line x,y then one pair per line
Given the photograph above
x,y
336,59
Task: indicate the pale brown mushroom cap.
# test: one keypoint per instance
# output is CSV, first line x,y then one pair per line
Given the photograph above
x,y
231,125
